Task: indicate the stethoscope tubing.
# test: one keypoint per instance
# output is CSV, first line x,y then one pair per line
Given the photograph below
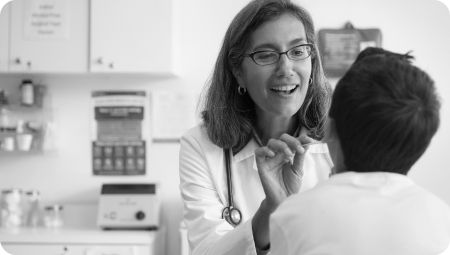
x,y
227,212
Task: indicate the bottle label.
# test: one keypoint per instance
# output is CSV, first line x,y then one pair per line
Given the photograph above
x,y
27,94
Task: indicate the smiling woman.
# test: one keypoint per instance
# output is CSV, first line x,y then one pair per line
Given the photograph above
x,y
278,89
267,97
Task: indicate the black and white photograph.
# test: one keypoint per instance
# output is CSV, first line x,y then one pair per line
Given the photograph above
x,y
211,127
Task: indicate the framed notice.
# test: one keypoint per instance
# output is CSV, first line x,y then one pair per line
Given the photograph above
x,y
340,47
46,19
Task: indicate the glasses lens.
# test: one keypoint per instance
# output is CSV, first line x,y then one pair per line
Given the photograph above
x,y
265,57
299,52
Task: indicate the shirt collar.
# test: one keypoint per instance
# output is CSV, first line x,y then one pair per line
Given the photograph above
x,y
371,179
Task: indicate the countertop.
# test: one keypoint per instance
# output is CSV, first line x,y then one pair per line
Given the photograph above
x,y
77,235
80,227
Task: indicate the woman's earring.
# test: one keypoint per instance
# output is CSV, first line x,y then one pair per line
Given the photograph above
x,y
241,90
310,80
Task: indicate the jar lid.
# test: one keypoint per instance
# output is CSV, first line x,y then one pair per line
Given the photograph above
x,y
33,192
12,190
54,208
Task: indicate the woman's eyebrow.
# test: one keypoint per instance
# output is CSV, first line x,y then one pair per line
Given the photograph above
x,y
293,42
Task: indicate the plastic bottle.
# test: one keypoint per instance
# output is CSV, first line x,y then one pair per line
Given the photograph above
x,y
34,211
27,90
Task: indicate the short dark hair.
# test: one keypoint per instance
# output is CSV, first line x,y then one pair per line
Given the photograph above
x,y
386,111
229,117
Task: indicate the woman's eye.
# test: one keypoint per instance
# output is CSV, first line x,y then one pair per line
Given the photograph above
x,y
265,55
298,52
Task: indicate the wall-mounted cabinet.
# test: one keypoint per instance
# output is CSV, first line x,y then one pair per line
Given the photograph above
x,y
123,36
131,36
48,36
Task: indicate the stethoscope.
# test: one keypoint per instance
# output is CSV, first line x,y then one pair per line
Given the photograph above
x,y
230,213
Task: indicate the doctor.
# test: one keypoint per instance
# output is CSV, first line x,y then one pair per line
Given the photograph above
x,y
266,103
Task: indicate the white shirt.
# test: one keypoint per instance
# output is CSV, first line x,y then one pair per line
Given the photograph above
x,y
361,213
204,191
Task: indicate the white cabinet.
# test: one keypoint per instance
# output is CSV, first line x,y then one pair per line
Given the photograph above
x,y
82,241
41,249
77,249
48,36
4,23
131,36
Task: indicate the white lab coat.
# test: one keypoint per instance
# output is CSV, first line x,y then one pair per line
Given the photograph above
x,y
204,191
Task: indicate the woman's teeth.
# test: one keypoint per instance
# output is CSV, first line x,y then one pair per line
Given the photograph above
x,y
284,89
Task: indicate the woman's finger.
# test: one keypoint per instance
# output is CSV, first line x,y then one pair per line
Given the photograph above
x,y
305,140
293,143
264,152
279,146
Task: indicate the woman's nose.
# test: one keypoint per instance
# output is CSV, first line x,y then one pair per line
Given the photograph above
x,y
284,66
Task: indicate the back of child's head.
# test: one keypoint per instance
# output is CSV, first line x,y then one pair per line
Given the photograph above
x,y
386,112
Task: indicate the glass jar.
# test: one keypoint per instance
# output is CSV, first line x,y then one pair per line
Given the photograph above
x,y
53,216
12,205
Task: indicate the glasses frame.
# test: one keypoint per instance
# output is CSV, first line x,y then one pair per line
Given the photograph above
x,y
252,55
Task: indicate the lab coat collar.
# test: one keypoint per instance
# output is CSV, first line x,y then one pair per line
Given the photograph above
x,y
254,143
247,151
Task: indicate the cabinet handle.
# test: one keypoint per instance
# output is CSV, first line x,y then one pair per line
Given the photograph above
x,y
65,250
99,61
29,64
111,65
17,61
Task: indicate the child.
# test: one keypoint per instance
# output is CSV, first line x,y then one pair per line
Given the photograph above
x,y
383,115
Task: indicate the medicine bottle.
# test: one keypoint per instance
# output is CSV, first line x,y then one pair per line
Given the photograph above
x,y
27,91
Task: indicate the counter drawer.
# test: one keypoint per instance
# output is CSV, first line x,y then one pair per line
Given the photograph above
x,y
72,249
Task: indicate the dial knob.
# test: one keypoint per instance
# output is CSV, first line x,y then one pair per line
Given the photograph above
x,y
140,215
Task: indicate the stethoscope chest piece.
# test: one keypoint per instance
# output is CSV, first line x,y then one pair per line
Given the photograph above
x,y
232,215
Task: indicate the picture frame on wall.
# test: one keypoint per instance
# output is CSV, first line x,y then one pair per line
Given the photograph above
x,y
339,47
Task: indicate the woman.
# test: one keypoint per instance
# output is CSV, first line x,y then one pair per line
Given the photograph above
x,y
267,97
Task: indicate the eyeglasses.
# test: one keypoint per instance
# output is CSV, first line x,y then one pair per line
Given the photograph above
x,y
268,57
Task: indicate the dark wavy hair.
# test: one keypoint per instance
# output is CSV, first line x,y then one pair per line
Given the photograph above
x,y
386,112
229,117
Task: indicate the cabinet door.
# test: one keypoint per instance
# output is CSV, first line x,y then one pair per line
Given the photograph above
x,y
131,36
4,23
48,36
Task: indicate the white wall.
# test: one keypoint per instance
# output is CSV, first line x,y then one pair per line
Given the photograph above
x,y
65,175
422,26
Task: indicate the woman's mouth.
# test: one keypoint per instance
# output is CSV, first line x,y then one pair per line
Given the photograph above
x,y
285,90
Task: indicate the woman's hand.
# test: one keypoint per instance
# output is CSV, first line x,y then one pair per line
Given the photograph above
x,y
280,167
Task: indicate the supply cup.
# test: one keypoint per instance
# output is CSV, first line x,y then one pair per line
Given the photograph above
x,y
24,142
8,143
